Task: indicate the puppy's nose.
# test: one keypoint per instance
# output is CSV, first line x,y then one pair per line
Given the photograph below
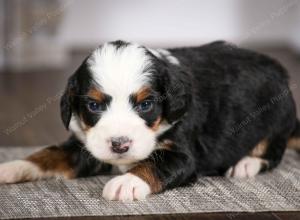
x,y
120,144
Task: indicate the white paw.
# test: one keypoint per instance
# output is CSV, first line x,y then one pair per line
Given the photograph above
x,y
17,171
246,167
127,187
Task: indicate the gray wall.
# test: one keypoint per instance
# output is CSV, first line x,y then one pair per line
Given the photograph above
x,y
180,22
1,33
42,31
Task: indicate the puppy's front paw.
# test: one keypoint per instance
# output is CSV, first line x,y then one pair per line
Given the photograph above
x,y
127,187
246,167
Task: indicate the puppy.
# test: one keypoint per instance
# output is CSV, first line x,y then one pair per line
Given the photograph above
x,y
166,117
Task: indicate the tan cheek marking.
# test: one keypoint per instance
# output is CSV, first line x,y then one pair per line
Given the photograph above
x,y
96,94
54,160
294,143
260,149
142,94
145,172
156,124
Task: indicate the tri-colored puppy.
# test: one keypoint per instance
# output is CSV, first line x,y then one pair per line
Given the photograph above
x,y
166,117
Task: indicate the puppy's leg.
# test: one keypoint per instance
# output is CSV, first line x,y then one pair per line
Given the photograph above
x,y
68,160
49,162
127,187
163,170
265,156
247,167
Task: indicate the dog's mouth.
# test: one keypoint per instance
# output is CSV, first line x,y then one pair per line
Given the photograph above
x,y
119,159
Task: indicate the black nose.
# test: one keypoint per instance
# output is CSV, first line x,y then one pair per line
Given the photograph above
x,y
120,144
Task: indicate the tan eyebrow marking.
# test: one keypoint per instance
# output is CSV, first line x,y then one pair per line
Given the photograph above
x,y
96,94
142,94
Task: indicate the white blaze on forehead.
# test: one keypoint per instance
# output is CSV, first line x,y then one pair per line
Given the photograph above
x,y
122,71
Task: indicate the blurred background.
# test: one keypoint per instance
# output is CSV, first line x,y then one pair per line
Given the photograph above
x,y
43,41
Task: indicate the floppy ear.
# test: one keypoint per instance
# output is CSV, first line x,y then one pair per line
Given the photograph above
x,y
69,98
177,86
66,102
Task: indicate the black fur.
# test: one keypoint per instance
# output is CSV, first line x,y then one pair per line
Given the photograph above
x,y
221,100
296,132
77,87
119,44
230,86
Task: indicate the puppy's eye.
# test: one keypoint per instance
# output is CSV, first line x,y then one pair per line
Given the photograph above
x,y
145,106
94,106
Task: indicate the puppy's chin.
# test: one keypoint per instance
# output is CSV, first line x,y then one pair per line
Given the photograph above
x,y
118,159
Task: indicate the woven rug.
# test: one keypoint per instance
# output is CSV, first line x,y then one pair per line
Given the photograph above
x,y
278,190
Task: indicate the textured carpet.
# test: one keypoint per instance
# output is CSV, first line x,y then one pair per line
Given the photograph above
x,y
275,191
